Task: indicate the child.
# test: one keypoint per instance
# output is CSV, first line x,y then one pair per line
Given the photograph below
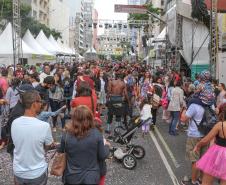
x,y
145,115
204,94
44,115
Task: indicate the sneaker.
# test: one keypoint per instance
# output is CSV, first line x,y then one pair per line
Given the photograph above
x,y
189,182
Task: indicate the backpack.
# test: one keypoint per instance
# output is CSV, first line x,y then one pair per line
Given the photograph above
x,y
208,121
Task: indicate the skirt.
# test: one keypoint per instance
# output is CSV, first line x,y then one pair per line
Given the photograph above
x,y
213,162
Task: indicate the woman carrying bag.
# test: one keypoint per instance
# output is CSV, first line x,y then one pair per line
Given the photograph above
x,y
83,146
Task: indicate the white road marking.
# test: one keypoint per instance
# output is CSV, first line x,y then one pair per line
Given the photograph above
x,y
163,157
176,164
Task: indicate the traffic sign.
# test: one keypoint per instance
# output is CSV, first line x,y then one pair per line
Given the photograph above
x,y
139,9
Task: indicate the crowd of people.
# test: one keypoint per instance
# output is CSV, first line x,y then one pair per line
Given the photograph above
x,y
35,99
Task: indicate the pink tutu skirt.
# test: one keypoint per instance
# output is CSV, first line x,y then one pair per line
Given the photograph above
x,y
213,162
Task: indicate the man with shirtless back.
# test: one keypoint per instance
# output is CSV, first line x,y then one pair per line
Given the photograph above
x,y
117,93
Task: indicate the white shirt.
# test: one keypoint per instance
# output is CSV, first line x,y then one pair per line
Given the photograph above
x,y
194,112
146,112
102,82
29,136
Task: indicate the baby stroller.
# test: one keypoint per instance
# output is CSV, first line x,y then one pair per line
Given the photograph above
x,y
130,152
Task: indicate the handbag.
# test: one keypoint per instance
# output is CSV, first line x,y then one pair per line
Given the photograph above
x,y
155,101
59,162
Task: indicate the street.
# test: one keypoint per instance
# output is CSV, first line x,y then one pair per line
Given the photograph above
x,y
164,163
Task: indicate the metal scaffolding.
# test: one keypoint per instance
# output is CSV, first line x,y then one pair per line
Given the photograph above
x,y
17,48
214,37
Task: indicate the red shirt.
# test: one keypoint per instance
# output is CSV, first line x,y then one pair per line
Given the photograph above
x,y
19,74
87,79
4,85
85,100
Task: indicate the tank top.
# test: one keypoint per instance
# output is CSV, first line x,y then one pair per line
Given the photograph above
x,y
219,140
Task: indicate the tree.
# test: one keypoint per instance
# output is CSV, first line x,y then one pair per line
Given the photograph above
x,y
200,12
27,22
150,8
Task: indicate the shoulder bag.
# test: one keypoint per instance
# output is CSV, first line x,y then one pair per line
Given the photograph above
x,y
59,162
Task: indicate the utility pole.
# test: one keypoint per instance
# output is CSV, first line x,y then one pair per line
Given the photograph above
x,y
214,37
17,51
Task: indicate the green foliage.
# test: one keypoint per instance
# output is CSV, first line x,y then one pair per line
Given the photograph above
x,y
150,8
200,12
101,56
116,57
27,22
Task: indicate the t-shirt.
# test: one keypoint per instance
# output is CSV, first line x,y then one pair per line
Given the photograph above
x,y
29,136
195,112
146,112
87,79
19,74
4,85
84,100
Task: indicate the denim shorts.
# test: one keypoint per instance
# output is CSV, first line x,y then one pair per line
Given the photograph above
x,y
42,180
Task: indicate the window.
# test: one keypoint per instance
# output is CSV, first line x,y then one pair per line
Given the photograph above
x,y
34,14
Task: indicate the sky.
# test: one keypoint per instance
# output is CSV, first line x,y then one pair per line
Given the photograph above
x,y
105,9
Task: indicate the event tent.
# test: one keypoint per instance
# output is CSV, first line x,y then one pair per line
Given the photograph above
x,y
46,44
30,41
54,43
6,46
66,50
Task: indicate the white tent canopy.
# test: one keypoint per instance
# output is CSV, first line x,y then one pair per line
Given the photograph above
x,y
6,46
45,43
54,43
162,35
30,41
66,50
91,50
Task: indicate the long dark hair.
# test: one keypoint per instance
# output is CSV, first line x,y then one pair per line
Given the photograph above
x,y
84,89
81,122
15,83
60,83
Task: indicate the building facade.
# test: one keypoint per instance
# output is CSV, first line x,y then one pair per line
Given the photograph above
x,y
59,18
136,2
88,23
113,41
95,30
39,10
76,24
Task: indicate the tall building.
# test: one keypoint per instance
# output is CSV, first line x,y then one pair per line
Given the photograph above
x,y
59,18
79,32
113,40
39,10
95,30
88,26
76,30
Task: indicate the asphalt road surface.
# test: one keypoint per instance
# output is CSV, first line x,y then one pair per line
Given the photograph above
x,y
164,163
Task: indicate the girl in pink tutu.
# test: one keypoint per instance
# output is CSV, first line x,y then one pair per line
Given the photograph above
x,y
213,162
